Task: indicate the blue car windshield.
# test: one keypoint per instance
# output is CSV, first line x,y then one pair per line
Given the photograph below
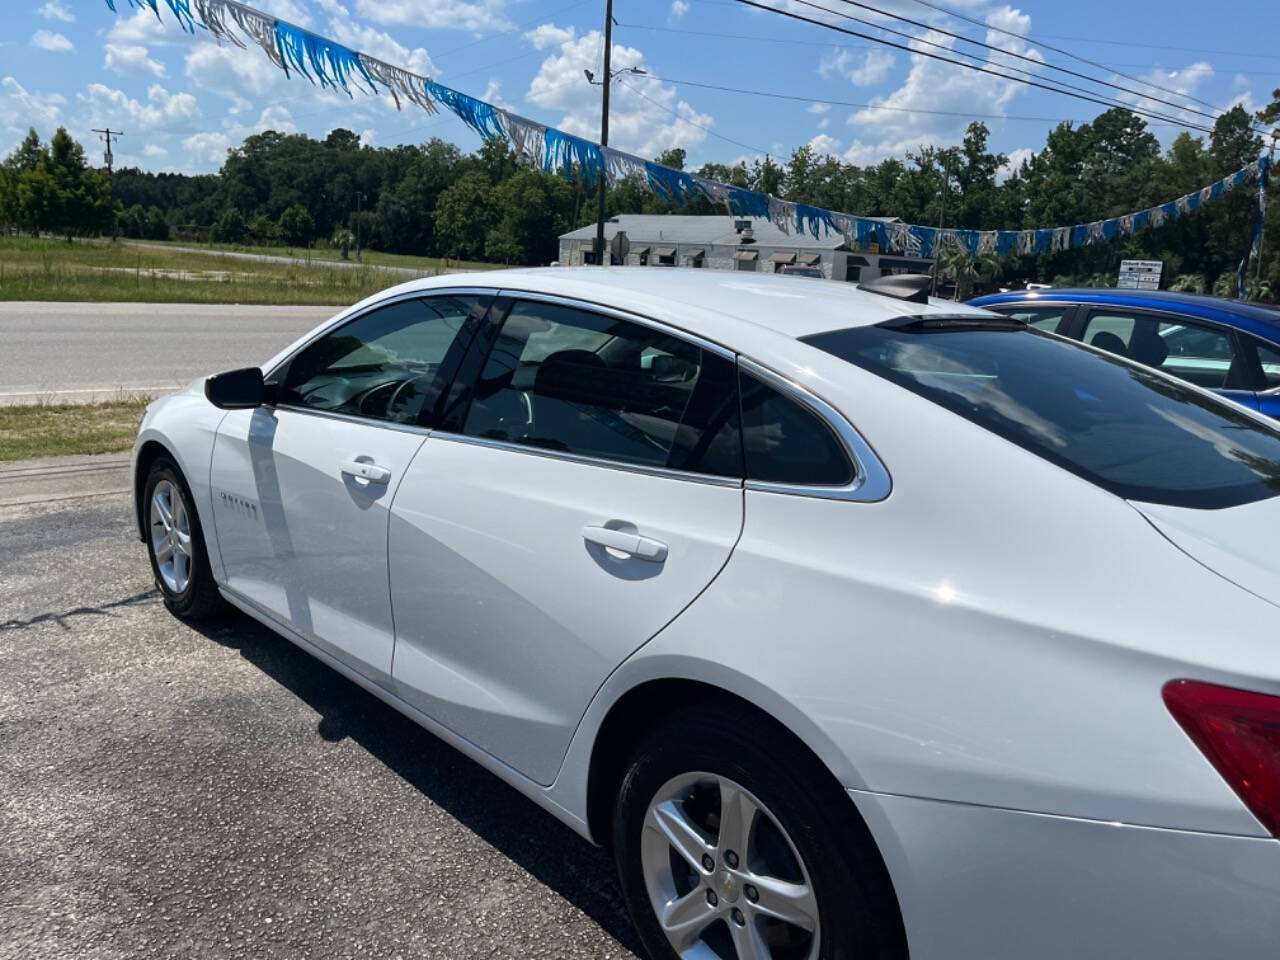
x,y
1133,432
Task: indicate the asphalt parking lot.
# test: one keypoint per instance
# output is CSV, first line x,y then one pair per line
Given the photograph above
x,y
166,792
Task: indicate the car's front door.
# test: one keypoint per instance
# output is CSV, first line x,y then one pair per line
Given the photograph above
x,y
302,489
588,493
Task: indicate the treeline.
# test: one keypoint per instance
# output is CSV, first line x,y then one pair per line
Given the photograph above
x,y
436,200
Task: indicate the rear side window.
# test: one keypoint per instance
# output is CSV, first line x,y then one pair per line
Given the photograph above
x,y
1121,427
1269,361
1042,318
1203,355
564,379
786,442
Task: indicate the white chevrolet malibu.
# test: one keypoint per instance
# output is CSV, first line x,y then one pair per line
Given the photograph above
x,y
855,624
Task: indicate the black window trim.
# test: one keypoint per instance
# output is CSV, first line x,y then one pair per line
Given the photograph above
x,y
871,480
280,371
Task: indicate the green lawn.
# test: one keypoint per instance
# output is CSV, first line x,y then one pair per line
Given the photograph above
x,y
63,430
50,269
373,258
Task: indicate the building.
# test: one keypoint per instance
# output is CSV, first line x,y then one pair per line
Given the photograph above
x,y
727,243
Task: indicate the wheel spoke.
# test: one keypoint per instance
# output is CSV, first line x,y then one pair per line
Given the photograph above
x,y
686,918
737,817
162,508
792,903
669,820
748,942
179,513
163,552
180,567
184,543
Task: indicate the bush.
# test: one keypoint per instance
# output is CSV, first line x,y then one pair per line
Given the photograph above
x,y
297,227
230,227
264,231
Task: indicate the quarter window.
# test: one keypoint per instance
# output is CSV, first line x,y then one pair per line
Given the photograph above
x,y
1042,318
1201,355
787,443
1269,359
388,364
564,379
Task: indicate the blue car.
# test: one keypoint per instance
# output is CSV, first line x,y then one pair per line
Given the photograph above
x,y
1223,345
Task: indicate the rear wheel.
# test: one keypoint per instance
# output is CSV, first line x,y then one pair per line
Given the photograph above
x,y
175,544
732,846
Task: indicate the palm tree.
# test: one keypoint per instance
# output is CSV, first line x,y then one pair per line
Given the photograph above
x,y
967,270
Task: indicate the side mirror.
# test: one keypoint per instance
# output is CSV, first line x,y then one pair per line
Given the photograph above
x,y
236,389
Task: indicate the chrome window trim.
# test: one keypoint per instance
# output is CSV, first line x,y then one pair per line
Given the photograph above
x,y
665,473
353,418
871,481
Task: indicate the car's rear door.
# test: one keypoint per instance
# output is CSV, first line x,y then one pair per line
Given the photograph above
x,y
302,488
585,494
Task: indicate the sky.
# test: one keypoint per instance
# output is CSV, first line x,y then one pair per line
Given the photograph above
x,y
182,101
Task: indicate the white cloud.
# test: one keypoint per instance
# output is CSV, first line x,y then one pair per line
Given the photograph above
x,y
141,28
20,109
900,121
679,8
645,115
549,35
1014,163
164,112
52,42
132,59
380,44
154,151
863,71
475,15
823,145
1186,81
57,10
206,149
818,108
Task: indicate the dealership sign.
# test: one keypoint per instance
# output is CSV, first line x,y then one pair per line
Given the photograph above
x,y
1140,274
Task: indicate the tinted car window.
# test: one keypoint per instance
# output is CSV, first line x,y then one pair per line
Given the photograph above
x,y
385,365
1269,360
1042,318
564,379
786,442
1119,426
1202,355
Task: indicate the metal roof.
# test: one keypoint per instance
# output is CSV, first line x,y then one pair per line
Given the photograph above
x,y
706,231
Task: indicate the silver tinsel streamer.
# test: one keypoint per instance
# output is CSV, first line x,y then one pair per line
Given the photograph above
x,y
782,213
401,83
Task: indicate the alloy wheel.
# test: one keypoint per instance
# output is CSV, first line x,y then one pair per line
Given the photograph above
x,y
171,536
723,877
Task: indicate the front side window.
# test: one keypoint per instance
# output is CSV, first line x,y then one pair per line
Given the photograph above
x,y
568,380
786,442
1121,427
1199,354
387,364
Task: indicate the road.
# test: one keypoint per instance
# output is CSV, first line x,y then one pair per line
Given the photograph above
x,y
81,352
220,794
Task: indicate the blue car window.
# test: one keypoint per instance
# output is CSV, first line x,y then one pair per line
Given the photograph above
x,y
1198,354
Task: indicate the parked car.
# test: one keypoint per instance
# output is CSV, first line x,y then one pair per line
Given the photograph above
x,y
1224,345
851,624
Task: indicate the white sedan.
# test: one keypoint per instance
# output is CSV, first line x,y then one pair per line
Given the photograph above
x,y
854,624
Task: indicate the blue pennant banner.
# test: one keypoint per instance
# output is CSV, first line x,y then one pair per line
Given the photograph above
x,y
319,59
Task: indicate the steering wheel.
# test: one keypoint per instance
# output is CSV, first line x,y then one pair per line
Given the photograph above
x,y
395,397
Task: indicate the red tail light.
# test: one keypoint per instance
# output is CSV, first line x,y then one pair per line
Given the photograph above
x,y
1239,732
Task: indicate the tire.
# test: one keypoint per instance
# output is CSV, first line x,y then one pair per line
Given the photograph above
x,y
805,831
184,580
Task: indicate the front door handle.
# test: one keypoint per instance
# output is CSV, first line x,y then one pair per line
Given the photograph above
x,y
633,545
363,470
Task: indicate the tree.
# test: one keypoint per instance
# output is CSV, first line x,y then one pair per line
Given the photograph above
x,y
344,240
297,227
230,227
464,215
28,153
263,231
533,209
966,270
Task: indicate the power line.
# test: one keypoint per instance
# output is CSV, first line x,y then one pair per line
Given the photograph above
x,y
1030,59
693,123
969,66
1067,53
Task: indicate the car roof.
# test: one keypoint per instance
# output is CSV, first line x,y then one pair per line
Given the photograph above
x,y
695,299
1262,320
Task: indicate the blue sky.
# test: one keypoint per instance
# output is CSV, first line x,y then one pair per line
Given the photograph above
x,y
183,101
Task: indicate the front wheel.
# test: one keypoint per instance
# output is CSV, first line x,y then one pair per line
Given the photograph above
x,y
175,544
731,845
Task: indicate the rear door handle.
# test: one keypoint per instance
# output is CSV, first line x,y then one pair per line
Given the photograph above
x,y
633,545
362,470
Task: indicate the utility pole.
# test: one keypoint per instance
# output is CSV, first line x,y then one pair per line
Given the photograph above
x,y
942,215
107,134
602,256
